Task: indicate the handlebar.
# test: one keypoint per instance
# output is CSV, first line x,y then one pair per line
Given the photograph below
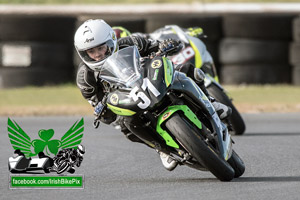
x,y
170,51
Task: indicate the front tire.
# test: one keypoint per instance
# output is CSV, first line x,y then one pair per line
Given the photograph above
x,y
235,118
189,137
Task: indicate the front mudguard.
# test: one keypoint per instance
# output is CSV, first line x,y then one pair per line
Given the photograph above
x,y
166,115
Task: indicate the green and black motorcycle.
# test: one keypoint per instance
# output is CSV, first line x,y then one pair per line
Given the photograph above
x,y
195,52
169,112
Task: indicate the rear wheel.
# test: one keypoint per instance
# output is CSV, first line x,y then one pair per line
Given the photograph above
x,y
190,139
235,118
237,164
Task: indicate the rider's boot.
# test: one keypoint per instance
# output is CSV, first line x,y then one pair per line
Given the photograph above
x,y
168,162
222,110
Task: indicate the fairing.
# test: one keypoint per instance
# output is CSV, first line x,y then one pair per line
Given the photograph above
x,y
139,87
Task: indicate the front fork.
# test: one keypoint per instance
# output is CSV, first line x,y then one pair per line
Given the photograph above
x,y
188,87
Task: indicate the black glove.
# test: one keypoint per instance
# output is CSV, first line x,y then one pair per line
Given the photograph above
x,y
170,46
108,116
103,114
97,112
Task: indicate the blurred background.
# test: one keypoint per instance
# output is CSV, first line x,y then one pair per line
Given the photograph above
x,y
252,42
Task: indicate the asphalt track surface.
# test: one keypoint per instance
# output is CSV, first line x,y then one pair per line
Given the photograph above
x,y
115,168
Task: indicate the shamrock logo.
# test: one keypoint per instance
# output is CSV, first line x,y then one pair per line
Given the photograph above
x,y
20,140
51,145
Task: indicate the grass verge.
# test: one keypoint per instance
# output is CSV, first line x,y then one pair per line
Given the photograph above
x,y
42,101
67,100
265,98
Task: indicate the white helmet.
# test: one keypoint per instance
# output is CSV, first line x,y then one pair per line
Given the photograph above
x,y
93,33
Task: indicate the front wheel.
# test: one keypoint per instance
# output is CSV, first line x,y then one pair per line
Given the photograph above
x,y
235,118
189,137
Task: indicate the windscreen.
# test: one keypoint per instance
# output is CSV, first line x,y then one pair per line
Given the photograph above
x,y
123,67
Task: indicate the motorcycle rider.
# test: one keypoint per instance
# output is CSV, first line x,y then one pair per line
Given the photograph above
x,y
95,41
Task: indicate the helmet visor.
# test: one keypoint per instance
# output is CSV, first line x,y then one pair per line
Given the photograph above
x,y
98,53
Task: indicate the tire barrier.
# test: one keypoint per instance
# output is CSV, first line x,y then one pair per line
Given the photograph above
x,y
255,74
258,26
36,50
35,55
239,44
45,28
11,77
35,63
295,52
246,51
255,48
296,29
296,74
254,61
